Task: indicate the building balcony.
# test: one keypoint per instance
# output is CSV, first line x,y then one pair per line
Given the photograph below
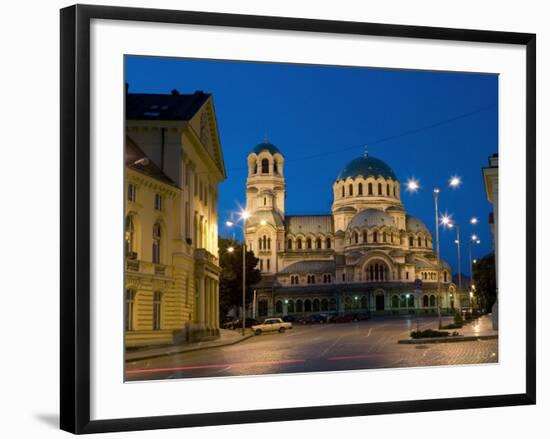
x,y
148,268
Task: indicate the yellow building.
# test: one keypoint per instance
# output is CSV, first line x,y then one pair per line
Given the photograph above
x,y
174,164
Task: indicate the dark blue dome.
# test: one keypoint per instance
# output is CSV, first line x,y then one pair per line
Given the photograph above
x,y
265,146
366,167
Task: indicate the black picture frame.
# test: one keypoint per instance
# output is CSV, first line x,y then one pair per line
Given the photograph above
x,y
75,217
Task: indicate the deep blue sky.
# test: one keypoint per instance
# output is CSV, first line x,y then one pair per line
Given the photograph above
x,y
428,125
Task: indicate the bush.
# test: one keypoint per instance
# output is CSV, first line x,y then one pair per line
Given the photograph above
x,y
429,333
458,321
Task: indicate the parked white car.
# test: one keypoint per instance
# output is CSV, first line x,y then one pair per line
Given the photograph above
x,y
273,324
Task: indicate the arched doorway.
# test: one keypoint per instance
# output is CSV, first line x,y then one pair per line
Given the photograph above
x,y
380,305
262,308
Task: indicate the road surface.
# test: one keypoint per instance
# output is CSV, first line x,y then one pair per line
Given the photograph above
x,y
322,347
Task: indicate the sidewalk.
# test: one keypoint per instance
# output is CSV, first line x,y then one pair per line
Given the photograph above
x,y
479,329
226,338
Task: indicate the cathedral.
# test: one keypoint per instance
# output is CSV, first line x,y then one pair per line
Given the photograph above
x,y
366,256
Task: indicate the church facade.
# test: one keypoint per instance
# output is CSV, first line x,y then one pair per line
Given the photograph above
x,y
367,255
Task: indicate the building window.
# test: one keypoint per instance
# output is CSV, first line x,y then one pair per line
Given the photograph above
x,y
425,301
131,192
264,242
129,310
350,190
379,188
268,264
275,167
279,307
299,244
343,277
265,166
129,236
395,301
299,306
158,202
394,192
388,189
290,306
259,243
432,301
156,243
316,305
425,242
419,241
157,306
370,188
255,168
318,243
269,243
356,237
407,275
444,276
307,305
343,191
360,189
289,244
411,241
384,237
377,272
261,265
365,236
374,236
328,242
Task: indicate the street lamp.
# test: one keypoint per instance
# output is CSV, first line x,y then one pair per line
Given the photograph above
x,y
413,185
244,214
473,240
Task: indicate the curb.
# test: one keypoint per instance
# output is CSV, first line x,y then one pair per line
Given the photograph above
x,y
455,339
193,349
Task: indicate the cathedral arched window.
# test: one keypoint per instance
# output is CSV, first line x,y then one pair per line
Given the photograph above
x,y
269,243
375,237
299,244
360,189
394,192
265,166
388,189
328,242
157,309
411,241
259,243
365,236
444,276
264,242
379,188
308,243
350,190
391,236
343,191
370,188
318,243
299,306
255,168
432,300
395,301
356,237
156,243
384,237
425,242
425,301
289,244
279,307
419,241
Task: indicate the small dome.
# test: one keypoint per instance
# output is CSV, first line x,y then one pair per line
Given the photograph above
x,y
266,146
370,218
366,166
414,225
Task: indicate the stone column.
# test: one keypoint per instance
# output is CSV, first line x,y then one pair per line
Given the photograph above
x,y
201,304
217,305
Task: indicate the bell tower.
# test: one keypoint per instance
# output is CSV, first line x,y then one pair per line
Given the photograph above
x,y
265,184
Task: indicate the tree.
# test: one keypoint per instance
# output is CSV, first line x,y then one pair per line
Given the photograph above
x,y
485,281
231,278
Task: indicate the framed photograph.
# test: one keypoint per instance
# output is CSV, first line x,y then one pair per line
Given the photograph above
x,y
274,218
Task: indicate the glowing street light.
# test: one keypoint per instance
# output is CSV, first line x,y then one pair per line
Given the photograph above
x,y
231,249
229,223
474,221
412,185
263,222
245,214
455,181
446,221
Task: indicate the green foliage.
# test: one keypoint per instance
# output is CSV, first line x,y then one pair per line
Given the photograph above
x,y
429,333
458,321
231,277
485,282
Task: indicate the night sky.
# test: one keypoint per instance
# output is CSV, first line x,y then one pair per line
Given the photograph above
x,y
426,125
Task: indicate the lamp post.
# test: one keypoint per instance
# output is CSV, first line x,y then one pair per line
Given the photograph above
x,y
245,215
473,240
413,186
